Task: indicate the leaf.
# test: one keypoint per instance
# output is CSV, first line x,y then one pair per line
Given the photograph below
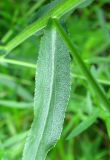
x,y
86,3
45,9
16,139
15,104
84,125
104,102
2,51
105,116
107,122
51,96
59,11
11,83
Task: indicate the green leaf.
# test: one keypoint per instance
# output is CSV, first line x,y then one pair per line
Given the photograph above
x,y
86,3
105,116
11,83
15,104
51,96
58,11
104,102
47,8
107,122
2,50
84,125
16,139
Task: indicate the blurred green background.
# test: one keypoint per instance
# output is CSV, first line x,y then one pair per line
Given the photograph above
x,y
89,29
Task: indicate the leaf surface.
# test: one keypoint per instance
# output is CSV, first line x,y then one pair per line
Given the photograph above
x,y
51,96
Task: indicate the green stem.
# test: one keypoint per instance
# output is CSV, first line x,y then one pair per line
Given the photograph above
x,y
83,68
35,7
31,65
7,36
101,81
58,12
15,62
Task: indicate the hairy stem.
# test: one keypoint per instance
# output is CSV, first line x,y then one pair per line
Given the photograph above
x,y
83,68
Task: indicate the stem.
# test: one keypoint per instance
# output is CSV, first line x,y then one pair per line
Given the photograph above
x,y
7,36
104,82
83,67
35,7
58,12
31,65
11,61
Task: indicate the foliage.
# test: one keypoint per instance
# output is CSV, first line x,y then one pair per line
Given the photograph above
x,y
88,28
51,95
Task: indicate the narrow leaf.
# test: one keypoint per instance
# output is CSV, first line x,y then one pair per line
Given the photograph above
x,y
107,122
2,50
84,125
51,96
15,104
12,84
16,139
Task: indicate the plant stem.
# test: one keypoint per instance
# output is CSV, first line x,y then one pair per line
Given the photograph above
x,y
11,61
58,12
83,68
31,65
35,7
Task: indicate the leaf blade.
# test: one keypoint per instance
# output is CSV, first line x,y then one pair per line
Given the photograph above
x,y
84,124
51,96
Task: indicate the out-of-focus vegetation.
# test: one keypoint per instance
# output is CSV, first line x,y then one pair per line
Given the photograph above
x,y
89,29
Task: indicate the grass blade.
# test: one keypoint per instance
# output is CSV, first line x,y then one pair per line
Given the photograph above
x,y
107,122
51,96
84,125
15,104
9,82
60,10
14,140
